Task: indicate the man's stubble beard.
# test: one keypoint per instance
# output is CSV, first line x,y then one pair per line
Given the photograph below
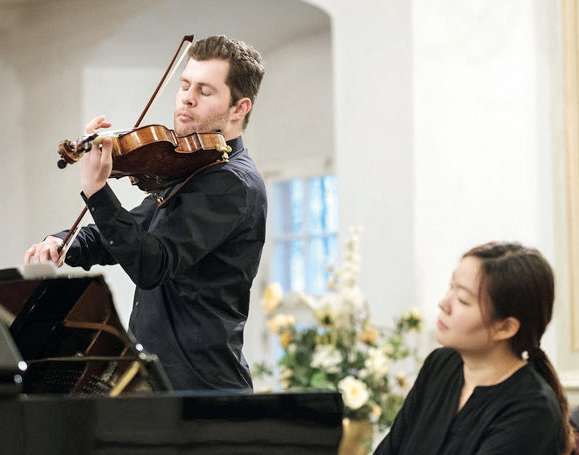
x,y
212,124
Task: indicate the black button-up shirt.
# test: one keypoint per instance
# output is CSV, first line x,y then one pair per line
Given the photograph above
x,y
193,260
520,415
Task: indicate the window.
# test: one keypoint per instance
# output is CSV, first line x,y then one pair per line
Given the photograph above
x,y
304,232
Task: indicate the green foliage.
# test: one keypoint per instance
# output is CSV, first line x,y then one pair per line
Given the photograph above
x,y
344,350
318,357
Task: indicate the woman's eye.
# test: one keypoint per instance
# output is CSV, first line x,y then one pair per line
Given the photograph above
x,y
464,302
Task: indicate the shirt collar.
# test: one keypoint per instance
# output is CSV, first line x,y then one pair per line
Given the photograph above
x,y
236,145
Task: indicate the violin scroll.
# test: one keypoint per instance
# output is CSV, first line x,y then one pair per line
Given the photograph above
x,y
70,152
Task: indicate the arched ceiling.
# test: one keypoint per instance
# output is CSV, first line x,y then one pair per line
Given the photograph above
x,y
149,30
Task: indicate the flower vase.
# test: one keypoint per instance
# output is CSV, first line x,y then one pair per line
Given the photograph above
x,y
356,437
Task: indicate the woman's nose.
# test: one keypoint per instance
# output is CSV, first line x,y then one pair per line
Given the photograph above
x,y
444,303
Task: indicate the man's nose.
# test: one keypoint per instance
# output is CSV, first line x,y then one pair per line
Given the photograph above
x,y
189,97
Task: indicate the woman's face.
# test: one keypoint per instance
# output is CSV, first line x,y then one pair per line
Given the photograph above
x,y
460,324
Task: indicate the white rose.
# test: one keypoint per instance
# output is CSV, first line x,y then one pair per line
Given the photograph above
x,y
377,362
354,392
326,357
364,373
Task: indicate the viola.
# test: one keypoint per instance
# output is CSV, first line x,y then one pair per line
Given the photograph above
x,y
152,155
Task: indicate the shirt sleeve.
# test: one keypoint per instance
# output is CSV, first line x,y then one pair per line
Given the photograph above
x,y
89,249
198,219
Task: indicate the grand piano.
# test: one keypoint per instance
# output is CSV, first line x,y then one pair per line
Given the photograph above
x,y
73,381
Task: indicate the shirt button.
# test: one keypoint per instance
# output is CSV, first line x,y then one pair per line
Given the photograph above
x,y
92,209
137,303
111,242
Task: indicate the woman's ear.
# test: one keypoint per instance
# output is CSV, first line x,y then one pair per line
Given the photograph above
x,y
506,328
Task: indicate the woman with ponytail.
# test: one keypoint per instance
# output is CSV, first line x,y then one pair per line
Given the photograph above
x,y
491,389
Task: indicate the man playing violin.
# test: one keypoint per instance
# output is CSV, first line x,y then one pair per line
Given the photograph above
x,y
194,257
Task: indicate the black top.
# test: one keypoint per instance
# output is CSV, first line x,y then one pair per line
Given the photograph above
x,y
193,260
520,415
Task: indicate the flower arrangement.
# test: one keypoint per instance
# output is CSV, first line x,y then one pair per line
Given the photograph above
x,y
343,349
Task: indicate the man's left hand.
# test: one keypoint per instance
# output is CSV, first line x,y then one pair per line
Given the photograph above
x,y
95,167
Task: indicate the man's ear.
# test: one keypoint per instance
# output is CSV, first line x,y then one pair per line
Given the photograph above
x,y
241,108
506,328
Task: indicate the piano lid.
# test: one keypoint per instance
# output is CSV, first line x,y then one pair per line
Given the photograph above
x,y
67,330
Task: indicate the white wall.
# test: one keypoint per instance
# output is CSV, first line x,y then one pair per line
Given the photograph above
x,y
373,80
13,180
482,163
292,127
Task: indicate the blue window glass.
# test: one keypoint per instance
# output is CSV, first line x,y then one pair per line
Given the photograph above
x,y
305,232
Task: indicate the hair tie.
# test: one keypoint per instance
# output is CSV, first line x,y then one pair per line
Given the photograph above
x,y
535,352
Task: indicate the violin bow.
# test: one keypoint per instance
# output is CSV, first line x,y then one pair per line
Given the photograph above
x,y
73,231
161,86
67,242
